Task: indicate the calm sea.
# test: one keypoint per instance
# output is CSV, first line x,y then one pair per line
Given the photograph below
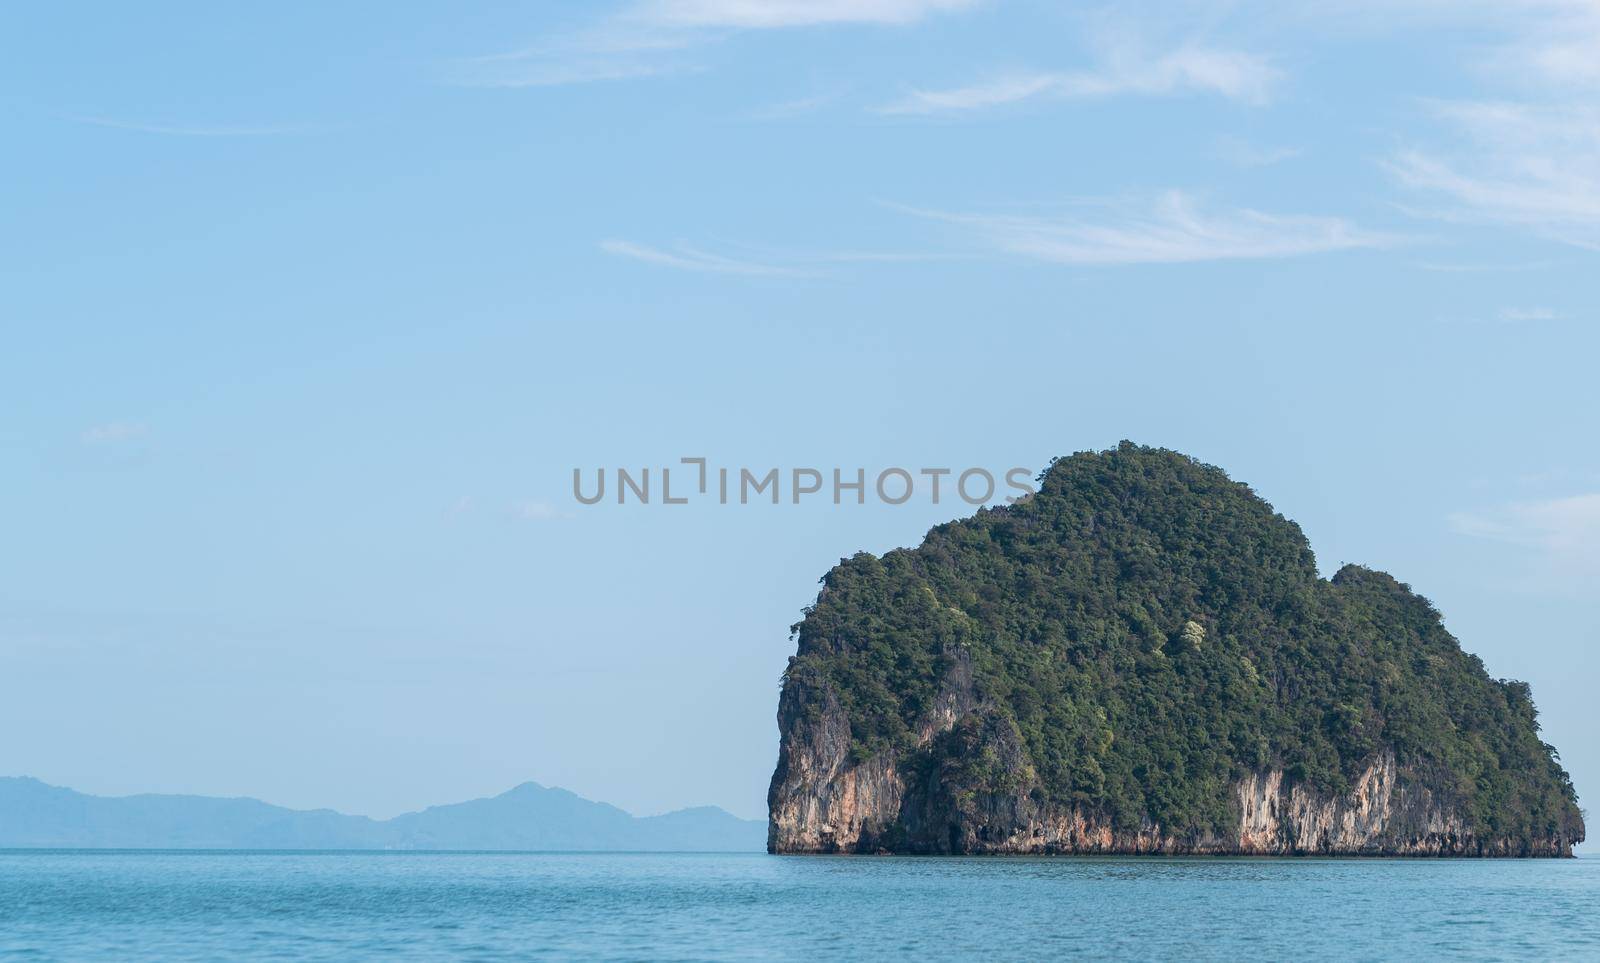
x,y
306,906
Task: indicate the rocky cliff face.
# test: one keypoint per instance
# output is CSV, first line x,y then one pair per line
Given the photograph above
x,y
1142,659
823,802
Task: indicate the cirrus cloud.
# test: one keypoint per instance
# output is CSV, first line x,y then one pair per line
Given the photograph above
x,y
1535,167
1564,533
686,258
1230,74
650,38
1168,229
115,432
774,14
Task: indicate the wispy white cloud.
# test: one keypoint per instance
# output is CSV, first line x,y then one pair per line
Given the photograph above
x,y
1526,43
537,511
1529,314
1125,71
772,14
1243,154
1171,228
794,107
1553,43
1526,155
1566,524
762,262
1445,268
113,432
185,130
686,258
540,68
1534,167
653,38
612,51
1565,532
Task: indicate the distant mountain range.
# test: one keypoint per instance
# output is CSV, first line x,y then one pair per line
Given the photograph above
x,y
528,817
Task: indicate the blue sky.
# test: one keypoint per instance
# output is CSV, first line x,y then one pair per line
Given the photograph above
x,y
310,311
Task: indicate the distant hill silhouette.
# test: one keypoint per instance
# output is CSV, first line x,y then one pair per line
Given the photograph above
x,y
34,814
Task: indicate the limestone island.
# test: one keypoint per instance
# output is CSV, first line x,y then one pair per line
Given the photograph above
x,y
1141,658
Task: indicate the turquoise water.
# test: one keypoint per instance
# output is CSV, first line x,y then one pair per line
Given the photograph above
x,y
207,905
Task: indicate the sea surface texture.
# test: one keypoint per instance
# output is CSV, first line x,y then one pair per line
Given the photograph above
x,y
309,906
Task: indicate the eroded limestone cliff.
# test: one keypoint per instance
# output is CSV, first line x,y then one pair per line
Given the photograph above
x,y
821,802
